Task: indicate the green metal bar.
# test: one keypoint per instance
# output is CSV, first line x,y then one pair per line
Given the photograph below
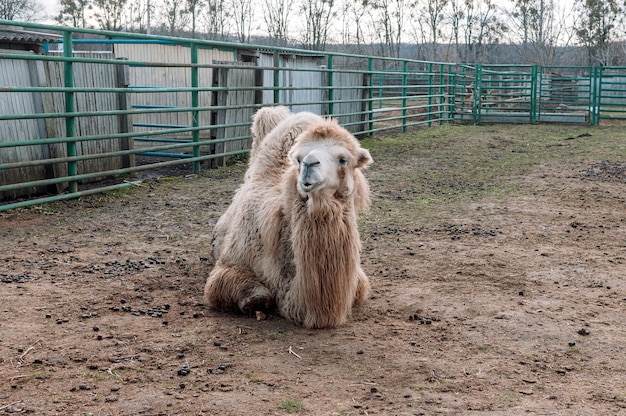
x,y
535,79
592,99
430,91
370,94
404,85
276,77
598,107
477,99
453,79
195,103
331,92
70,121
441,94
62,197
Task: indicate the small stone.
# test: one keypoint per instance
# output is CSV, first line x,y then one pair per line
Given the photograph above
x,y
360,352
571,344
217,343
584,332
183,371
96,329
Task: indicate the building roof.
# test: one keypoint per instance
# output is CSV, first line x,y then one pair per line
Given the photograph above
x,y
17,35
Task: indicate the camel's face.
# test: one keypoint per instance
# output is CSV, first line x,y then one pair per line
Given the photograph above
x,y
325,167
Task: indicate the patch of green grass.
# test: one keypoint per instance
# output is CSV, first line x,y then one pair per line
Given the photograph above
x,y
507,398
97,377
415,174
254,377
291,406
278,335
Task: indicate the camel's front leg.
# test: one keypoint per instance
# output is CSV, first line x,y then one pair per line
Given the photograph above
x,y
231,288
362,287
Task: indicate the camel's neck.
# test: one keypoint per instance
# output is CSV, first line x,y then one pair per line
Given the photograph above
x,y
326,250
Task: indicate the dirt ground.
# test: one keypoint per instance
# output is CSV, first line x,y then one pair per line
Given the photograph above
x,y
497,261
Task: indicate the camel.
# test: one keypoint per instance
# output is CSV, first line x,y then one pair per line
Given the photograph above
x,y
289,240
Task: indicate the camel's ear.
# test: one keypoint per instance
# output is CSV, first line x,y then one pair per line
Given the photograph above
x,y
364,159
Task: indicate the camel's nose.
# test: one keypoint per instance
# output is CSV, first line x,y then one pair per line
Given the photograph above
x,y
310,174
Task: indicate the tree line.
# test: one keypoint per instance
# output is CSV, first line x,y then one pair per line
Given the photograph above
x,y
543,32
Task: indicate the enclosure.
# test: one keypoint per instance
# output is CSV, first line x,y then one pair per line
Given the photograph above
x,y
496,256
85,111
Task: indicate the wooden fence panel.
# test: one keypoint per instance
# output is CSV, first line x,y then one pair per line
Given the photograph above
x,y
89,75
18,73
350,92
236,81
169,77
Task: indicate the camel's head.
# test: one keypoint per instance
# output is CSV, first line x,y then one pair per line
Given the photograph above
x,y
329,159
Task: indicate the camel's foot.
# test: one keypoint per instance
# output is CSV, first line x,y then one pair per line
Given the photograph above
x,y
259,299
236,288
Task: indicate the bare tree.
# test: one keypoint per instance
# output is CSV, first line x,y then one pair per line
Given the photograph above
x,y
138,15
388,19
427,21
354,14
276,15
24,10
173,17
193,8
597,27
242,18
216,17
482,27
539,30
318,16
74,12
109,14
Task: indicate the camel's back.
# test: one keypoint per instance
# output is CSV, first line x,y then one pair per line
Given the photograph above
x,y
270,159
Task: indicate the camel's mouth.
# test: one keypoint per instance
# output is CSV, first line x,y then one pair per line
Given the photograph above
x,y
307,187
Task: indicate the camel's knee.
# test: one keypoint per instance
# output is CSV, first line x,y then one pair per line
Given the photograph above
x,y
362,288
235,288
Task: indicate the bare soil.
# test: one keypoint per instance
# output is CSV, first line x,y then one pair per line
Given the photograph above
x,y
497,260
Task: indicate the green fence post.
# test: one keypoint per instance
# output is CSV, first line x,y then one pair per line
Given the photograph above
x,y
370,103
441,95
591,101
452,80
534,80
331,94
476,99
70,121
404,83
598,101
276,77
430,94
195,103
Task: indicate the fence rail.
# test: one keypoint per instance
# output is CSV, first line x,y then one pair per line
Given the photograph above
x,y
120,104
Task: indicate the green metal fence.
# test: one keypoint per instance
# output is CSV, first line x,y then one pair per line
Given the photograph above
x,y
97,105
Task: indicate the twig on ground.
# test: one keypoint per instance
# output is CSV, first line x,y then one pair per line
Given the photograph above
x,y
6,406
294,353
29,349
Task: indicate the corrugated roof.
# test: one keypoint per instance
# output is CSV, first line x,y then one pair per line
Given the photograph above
x,y
9,34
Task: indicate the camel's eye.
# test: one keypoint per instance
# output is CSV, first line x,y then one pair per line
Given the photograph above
x,y
343,161
299,160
